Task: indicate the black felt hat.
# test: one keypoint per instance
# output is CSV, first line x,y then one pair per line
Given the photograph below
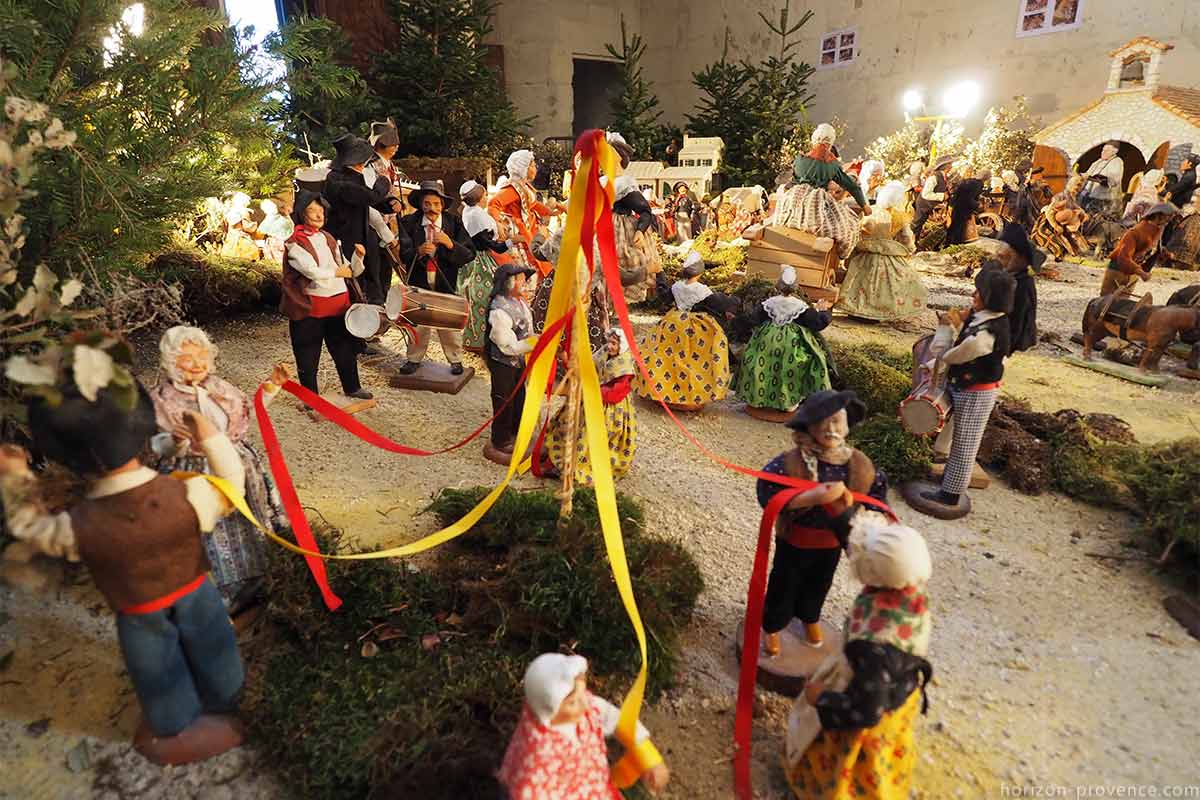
x,y
997,288
305,199
384,134
92,436
351,150
428,187
506,271
824,404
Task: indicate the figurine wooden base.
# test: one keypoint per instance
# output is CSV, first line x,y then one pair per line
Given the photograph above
x,y
688,407
979,478
787,672
1121,371
911,492
209,736
430,377
1185,611
769,414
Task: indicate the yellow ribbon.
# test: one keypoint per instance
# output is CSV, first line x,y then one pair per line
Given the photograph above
x,y
565,294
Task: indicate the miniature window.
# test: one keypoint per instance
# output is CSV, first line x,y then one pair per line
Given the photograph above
x,y
837,48
706,162
1133,71
1048,16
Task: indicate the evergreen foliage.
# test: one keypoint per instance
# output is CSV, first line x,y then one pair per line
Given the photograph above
x,y
437,85
635,108
758,109
163,119
323,96
1004,140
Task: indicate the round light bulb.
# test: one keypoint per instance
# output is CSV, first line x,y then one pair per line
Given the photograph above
x,y
912,100
961,98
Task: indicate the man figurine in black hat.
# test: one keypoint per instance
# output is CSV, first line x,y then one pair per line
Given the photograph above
x,y
812,530
1021,260
435,246
933,193
976,367
386,141
508,337
351,202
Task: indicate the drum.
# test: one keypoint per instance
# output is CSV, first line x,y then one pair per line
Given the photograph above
x,y
924,411
365,320
421,307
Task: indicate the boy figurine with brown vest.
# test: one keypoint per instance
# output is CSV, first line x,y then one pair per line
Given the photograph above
x,y
812,530
139,533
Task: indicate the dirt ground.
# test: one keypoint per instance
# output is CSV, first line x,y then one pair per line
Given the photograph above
x,y
1055,664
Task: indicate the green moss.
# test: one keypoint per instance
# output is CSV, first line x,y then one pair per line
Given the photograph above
x,y
214,286
966,255
880,386
901,456
432,722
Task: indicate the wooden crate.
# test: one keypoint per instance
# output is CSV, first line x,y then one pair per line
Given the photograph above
x,y
760,251
821,277
793,239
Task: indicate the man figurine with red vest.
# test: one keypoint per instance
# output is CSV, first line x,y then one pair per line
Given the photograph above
x,y
139,533
812,529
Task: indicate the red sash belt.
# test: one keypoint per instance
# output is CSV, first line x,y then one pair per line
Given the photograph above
x,y
811,538
167,600
982,387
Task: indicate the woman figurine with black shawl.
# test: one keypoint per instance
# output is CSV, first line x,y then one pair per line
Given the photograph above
x,y
1021,259
809,538
785,360
850,734
965,203
687,354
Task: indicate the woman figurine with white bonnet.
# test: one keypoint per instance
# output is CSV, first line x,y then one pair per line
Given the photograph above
x,y
516,201
785,360
880,282
808,206
236,549
687,354
851,733
491,249
558,751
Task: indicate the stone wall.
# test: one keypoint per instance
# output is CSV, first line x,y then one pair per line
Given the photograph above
x,y
1125,116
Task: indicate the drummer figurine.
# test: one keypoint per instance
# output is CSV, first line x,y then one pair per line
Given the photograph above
x,y
812,529
975,367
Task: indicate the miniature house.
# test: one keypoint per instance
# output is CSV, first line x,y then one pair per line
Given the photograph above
x,y
699,160
1153,124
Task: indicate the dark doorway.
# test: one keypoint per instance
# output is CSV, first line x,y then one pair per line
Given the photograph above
x,y
1135,162
595,84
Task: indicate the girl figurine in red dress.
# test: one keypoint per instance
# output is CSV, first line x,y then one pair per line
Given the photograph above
x,y
558,750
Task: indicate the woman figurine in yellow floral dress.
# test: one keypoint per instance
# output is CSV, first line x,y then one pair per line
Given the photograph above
x,y
616,372
850,735
687,355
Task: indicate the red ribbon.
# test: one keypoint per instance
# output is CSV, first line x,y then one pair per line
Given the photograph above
x,y
752,624
283,478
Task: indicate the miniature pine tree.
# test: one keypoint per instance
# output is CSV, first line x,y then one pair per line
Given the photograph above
x,y
634,108
169,108
437,84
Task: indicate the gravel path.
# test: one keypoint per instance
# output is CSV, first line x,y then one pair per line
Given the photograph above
x,y
1052,666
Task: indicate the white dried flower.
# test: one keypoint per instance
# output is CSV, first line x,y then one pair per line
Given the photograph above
x,y
71,291
17,108
43,278
20,369
26,304
92,370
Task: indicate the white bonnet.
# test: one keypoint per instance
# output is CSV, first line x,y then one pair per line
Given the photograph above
x,y
172,342
693,264
235,215
788,276
469,187
269,207
612,137
824,134
890,195
549,678
518,163
887,554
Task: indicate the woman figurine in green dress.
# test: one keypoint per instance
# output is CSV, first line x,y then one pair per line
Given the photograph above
x,y
880,282
808,206
785,360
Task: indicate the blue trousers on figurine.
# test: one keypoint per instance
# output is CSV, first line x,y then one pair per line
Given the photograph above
x,y
183,660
